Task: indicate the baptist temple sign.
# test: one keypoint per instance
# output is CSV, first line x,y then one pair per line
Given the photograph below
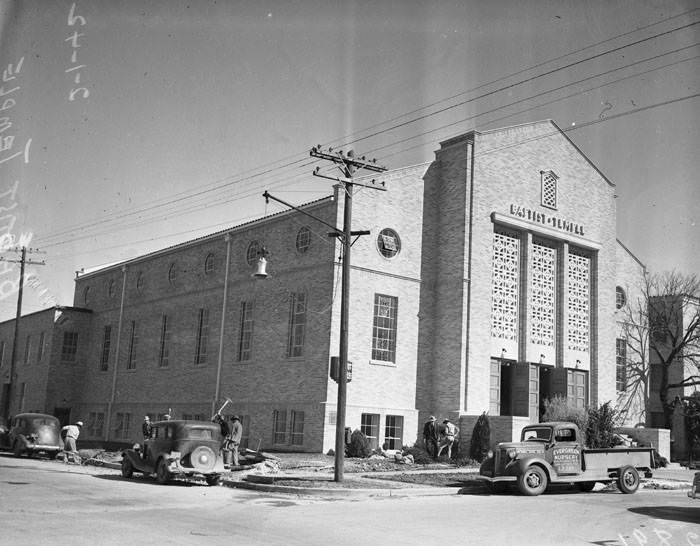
x,y
548,220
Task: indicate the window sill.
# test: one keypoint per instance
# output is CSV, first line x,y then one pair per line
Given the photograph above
x,y
383,363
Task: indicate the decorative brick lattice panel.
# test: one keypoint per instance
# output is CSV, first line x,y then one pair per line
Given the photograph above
x,y
549,189
505,281
542,303
578,301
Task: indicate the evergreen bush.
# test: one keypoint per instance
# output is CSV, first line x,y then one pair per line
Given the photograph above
x,y
558,408
600,429
481,438
359,445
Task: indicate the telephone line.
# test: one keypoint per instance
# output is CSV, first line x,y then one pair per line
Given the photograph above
x,y
267,171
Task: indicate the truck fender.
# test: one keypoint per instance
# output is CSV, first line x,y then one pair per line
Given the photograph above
x,y
518,466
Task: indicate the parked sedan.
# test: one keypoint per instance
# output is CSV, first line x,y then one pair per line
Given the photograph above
x,y
33,433
184,448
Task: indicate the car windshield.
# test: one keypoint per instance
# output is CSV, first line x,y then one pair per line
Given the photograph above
x,y
538,434
43,421
197,433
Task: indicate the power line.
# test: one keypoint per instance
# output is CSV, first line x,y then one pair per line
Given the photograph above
x,y
298,161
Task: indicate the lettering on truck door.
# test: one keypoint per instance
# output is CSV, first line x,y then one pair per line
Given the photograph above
x,y
566,452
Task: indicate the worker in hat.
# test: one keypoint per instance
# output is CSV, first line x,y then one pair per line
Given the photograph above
x,y
430,436
70,434
448,437
233,441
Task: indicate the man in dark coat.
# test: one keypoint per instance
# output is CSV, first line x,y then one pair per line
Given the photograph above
x,y
430,436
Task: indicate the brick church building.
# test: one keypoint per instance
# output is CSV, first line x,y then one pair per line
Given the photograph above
x,y
488,283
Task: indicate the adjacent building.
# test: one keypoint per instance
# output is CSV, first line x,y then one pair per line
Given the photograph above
x,y
490,282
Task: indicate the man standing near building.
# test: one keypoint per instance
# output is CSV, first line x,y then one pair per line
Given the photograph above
x,y
146,428
71,433
448,439
430,436
235,437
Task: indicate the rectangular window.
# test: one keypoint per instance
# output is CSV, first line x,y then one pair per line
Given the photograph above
x,y
106,343
22,395
297,325
495,387
297,428
133,343
279,427
577,388
200,354
393,431
121,429
163,357
70,346
27,348
245,423
384,328
369,426
40,348
2,353
621,364
246,335
96,423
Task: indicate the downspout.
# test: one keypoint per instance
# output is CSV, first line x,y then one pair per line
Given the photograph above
x,y
470,174
108,423
219,365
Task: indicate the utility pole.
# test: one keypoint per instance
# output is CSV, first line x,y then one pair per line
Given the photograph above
x,y
22,261
348,165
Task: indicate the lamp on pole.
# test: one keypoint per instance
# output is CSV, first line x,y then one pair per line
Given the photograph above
x,y
348,165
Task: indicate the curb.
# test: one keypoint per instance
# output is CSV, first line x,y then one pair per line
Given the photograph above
x,y
340,492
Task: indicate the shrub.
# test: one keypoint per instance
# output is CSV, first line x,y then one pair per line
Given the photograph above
x,y
600,429
558,408
359,445
420,455
481,438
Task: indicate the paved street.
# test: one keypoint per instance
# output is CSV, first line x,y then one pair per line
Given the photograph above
x,y
46,501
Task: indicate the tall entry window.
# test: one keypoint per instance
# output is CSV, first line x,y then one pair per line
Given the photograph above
x,y
384,328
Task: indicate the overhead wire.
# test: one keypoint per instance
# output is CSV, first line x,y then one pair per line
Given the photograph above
x,y
189,195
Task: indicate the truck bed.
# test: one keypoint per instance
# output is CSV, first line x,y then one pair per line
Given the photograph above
x,y
614,458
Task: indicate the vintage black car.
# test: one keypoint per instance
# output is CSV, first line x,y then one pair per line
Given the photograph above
x,y
33,433
184,448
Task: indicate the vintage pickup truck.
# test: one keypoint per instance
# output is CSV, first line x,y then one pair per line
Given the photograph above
x,y
553,453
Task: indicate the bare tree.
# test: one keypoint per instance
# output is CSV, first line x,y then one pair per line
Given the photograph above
x,y
663,339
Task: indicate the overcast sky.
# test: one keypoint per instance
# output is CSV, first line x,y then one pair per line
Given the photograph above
x,y
139,124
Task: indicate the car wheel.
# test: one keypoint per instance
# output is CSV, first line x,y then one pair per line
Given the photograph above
x,y
213,479
17,449
585,487
162,473
533,481
628,480
127,468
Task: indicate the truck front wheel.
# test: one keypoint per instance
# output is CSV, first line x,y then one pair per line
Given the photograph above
x,y
533,481
628,479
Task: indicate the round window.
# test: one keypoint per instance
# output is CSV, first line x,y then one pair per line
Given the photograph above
x,y
620,297
252,253
388,243
303,239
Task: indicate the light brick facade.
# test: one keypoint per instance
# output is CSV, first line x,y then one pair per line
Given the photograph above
x,y
446,357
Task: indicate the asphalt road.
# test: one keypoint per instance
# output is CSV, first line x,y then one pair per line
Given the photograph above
x,y
43,502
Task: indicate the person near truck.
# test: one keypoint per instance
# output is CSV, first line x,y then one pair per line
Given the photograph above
x,y
448,438
71,434
431,435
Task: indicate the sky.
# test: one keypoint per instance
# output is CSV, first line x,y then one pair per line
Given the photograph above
x,y
130,126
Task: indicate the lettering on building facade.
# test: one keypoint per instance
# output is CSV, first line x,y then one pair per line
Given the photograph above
x,y
546,219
